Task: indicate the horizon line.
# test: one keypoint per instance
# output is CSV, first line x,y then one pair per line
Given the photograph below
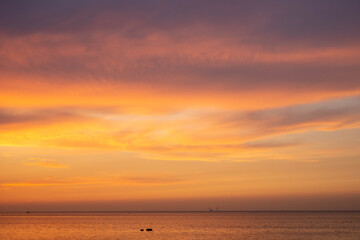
x,y
200,211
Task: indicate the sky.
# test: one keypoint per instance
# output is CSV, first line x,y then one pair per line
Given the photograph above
x,y
179,105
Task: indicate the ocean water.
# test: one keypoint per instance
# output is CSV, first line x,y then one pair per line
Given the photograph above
x,y
181,225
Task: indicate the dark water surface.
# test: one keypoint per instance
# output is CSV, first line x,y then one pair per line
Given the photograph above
x,y
181,225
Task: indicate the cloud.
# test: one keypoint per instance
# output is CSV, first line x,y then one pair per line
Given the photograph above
x,y
23,116
48,163
155,180
46,116
222,64
141,180
290,21
185,47
324,115
197,135
49,182
261,144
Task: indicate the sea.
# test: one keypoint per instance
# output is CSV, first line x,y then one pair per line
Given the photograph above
x,y
180,225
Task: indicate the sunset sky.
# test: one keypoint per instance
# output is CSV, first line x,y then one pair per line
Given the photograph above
x,y
179,105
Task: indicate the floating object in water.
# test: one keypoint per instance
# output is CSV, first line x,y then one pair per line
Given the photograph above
x,y
141,230
149,229
28,212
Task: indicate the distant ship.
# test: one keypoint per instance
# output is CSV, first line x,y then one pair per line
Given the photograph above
x,y
212,210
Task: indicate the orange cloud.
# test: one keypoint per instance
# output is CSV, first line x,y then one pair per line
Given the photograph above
x,y
160,179
44,163
198,134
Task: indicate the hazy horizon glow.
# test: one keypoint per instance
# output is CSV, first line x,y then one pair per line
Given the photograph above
x,y
158,105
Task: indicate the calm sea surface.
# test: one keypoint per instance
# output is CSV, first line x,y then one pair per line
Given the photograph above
x,y
182,225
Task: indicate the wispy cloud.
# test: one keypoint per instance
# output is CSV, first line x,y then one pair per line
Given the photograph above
x,y
49,163
151,180
23,116
200,134
332,114
51,182
136,179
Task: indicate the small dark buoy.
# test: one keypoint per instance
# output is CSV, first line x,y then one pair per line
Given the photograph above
x,y
142,230
149,229
28,212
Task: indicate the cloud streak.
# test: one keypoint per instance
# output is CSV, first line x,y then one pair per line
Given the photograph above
x,y
205,135
48,163
141,180
323,115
